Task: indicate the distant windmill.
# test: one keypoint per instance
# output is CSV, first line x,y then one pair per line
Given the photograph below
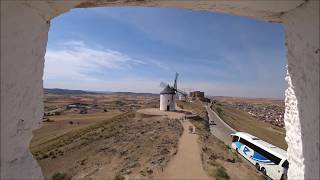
x,y
168,94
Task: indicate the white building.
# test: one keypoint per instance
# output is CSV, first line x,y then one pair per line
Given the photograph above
x,y
182,97
167,99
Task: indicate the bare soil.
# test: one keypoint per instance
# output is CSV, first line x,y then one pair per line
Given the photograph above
x,y
215,154
132,139
104,145
186,164
128,144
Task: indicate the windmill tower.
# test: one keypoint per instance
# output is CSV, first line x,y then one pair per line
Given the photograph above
x,y
168,95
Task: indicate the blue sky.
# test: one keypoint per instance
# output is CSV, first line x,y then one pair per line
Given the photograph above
x,y
134,49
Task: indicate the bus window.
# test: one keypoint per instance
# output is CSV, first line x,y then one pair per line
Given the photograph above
x,y
285,164
235,138
261,151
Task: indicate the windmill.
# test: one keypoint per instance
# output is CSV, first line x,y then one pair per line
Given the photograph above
x,y
168,95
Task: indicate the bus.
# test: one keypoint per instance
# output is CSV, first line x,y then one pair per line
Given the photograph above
x,y
267,158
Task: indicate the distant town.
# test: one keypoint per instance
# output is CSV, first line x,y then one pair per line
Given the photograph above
x,y
267,110
269,113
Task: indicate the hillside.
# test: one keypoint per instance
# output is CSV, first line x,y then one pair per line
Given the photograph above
x,y
242,121
261,109
218,159
66,91
128,144
59,91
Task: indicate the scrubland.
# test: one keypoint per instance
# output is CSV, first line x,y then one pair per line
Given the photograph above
x,y
108,145
219,161
243,121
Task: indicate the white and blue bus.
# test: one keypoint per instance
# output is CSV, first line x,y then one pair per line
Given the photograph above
x,y
269,159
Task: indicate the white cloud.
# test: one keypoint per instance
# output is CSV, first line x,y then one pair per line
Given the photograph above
x,y
74,64
75,60
129,84
72,43
157,63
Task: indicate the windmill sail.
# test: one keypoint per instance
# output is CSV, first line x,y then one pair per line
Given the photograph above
x,y
169,94
175,81
163,85
181,92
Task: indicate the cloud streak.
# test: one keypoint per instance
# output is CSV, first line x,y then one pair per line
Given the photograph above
x,y
136,48
75,60
74,64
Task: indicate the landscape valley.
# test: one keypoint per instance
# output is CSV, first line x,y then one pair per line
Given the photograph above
x,y
95,135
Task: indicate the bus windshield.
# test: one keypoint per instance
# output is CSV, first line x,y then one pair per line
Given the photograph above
x,y
235,138
285,164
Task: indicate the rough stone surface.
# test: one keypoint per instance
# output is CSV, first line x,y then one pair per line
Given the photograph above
x,y
24,31
23,45
302,95
264,10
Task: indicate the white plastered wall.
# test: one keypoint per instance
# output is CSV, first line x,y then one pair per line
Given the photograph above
x,y
23,44
166,100
302,95
24,31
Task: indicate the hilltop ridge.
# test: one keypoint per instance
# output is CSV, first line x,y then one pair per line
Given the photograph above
x,y
61,91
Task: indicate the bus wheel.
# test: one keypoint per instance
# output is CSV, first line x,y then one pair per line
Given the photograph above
x,y
264,171
257,166
237,151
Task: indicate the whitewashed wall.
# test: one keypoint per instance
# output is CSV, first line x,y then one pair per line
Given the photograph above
x,y
24,31
163,101
166,100
23,44
302,96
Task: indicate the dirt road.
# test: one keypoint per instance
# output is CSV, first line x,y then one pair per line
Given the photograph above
x,y
186,164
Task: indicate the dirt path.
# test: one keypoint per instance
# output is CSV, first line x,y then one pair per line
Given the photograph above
x,y
186,164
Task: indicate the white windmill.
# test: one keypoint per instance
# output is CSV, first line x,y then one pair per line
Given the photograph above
x,y
168,95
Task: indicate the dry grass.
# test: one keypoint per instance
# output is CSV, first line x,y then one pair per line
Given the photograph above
x,y
61,125
125,144
242,121
195,108
262,101
102,144
70,119
218,159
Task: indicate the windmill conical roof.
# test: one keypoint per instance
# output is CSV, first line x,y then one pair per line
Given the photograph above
x,y
168,90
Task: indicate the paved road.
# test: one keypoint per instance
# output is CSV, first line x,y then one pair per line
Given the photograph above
x,y
186,164
221,130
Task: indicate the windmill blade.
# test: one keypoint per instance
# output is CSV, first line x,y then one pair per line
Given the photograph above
x,y
175,81
181,92
163,85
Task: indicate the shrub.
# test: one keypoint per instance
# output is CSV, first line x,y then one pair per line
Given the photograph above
x,y
263,177
237,158
61,176
45,156
219,111
221,174
118,177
